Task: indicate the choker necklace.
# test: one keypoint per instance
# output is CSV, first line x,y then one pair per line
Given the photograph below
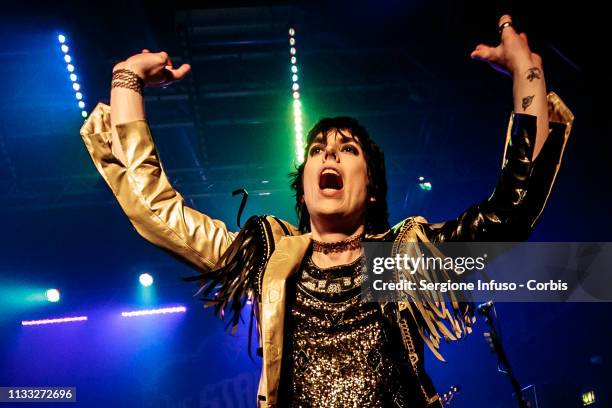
x,y
338,246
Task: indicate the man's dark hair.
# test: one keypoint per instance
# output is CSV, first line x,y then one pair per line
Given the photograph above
x,y
376,214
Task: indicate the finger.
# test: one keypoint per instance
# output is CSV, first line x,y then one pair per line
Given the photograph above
x,y
483,53
144,51
507,30
165,58
503,19
180,72
524,37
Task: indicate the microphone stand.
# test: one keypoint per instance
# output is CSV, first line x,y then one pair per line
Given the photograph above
x,y
493,338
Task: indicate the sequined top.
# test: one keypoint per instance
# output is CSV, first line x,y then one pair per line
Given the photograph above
x,y
339,351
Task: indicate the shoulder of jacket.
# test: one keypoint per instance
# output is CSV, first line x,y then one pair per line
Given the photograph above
x,y
278,228
409,222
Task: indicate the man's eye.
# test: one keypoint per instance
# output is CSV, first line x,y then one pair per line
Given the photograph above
x,y
350,149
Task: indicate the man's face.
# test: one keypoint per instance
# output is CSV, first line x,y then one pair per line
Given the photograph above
x,y
335,179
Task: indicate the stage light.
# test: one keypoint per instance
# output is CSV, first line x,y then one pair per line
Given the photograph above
x,y
73,77
52,295
149,312
588,398
297,105
53,321
425,186
145,280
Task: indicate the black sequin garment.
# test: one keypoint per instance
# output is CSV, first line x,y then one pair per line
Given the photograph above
x,y
339,351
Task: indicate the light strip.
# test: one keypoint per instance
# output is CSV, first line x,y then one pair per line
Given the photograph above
x,y
297,104
76,86
148,312
53,321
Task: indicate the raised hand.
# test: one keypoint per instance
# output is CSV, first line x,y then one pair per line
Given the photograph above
x,y
155,68
512,56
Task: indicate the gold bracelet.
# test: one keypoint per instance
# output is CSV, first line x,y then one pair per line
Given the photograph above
x,y
125,78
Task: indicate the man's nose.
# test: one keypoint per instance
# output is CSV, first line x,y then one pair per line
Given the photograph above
x,y
331,151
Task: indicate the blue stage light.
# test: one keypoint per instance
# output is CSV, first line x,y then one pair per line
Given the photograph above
x,y
145,280
73,76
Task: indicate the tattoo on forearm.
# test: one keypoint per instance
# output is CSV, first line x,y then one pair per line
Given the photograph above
x,y
527,101
534,73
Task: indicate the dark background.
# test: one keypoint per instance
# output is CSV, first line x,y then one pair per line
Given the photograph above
x,y
402,68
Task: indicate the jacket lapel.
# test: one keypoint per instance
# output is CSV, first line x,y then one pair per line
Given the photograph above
x,y
284,262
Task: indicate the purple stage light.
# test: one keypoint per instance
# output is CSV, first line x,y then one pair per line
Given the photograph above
x,y
148,312
53,321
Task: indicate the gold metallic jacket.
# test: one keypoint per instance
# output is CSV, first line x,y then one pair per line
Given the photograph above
x,y
258,260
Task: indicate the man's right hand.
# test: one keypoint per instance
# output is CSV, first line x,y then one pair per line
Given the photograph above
x,y
155,68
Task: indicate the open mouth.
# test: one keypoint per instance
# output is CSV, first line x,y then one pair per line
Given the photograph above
x,y
330,179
